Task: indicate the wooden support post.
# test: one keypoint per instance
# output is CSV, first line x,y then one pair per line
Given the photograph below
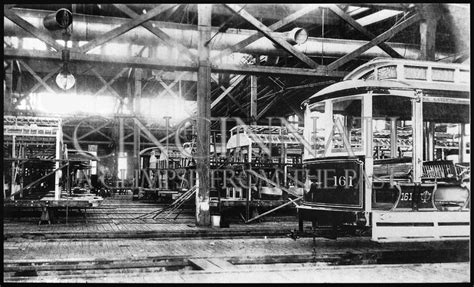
x,y
430,15
57,176
136,130
393,138
121,146
417,121
253,98
462,142
12,182
8,87
203,217
428,36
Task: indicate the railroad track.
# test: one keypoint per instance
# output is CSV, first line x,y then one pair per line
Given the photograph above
x,y
95,270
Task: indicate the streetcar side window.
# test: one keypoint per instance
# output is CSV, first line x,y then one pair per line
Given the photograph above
x,y
346,125
392,128
317,121
446,132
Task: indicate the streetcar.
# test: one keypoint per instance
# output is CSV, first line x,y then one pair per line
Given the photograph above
x,y
388,152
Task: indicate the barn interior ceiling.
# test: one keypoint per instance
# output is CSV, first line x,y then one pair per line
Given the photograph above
x,y
282,53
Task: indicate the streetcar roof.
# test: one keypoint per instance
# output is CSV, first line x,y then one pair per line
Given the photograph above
x,y
385,74
354,87
382,62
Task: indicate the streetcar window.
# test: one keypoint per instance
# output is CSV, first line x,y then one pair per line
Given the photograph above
x,y
415,73
392,128
369,76
443,75
347,114
317,121
446,132
389,72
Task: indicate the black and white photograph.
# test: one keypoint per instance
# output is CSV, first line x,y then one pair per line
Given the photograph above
x,y
222,143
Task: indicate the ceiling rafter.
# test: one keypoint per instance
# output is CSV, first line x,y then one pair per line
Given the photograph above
x,y
267,32
108,85
339,12
124,28
37,85
274,27
379,39
147,63
40,34
38,78
159,33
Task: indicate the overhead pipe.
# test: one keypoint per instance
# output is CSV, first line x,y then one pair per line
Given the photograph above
x,y
87,28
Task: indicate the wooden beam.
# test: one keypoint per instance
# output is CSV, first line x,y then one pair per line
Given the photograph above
x,y
42,35
297,112
124,28
203,217
39,84
253,99
170,42
147,63
274,27
227,91
430,14
228,95
267,32
92,131
378,17
168,87
107,85
339,12
137,95
38,78
379,39
269,105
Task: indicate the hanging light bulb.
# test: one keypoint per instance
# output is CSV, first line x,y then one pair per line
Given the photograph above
x,y
65,80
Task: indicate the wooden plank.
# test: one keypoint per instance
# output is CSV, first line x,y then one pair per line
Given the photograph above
x,y
222,263
124,28
339,12
40,34
204,264
445,225
148,63
379,39
267,32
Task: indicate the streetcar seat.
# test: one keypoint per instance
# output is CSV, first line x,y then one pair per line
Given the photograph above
x,y
395,168
441,170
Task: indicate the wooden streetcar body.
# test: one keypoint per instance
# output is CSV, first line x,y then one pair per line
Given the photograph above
x,y
374,160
